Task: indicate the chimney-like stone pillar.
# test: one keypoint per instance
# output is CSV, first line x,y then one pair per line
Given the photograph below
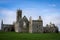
x,y
30,24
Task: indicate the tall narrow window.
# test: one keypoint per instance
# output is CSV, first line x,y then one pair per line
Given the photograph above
x,y
24,24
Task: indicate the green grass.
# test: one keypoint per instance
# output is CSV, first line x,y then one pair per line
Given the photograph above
x,y
29,36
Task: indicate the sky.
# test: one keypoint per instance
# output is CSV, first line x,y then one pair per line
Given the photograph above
x,y
49,10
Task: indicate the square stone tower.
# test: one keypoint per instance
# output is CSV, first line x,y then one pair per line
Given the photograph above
x,y
19,15
17,24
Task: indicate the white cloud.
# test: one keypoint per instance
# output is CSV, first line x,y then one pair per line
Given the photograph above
x,y
54,18
8,16
51,15
52,5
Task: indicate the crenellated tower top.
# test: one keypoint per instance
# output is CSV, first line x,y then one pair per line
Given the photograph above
x,y
19,14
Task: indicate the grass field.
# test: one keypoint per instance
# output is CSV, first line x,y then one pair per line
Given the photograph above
x,y
28,36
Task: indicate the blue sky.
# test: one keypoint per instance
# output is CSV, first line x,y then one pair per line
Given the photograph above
x,y
49,10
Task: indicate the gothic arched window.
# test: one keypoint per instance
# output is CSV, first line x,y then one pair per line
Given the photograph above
x,y
24,24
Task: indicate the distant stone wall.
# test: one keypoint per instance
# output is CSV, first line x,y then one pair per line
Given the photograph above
x,y
8,27
50,28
